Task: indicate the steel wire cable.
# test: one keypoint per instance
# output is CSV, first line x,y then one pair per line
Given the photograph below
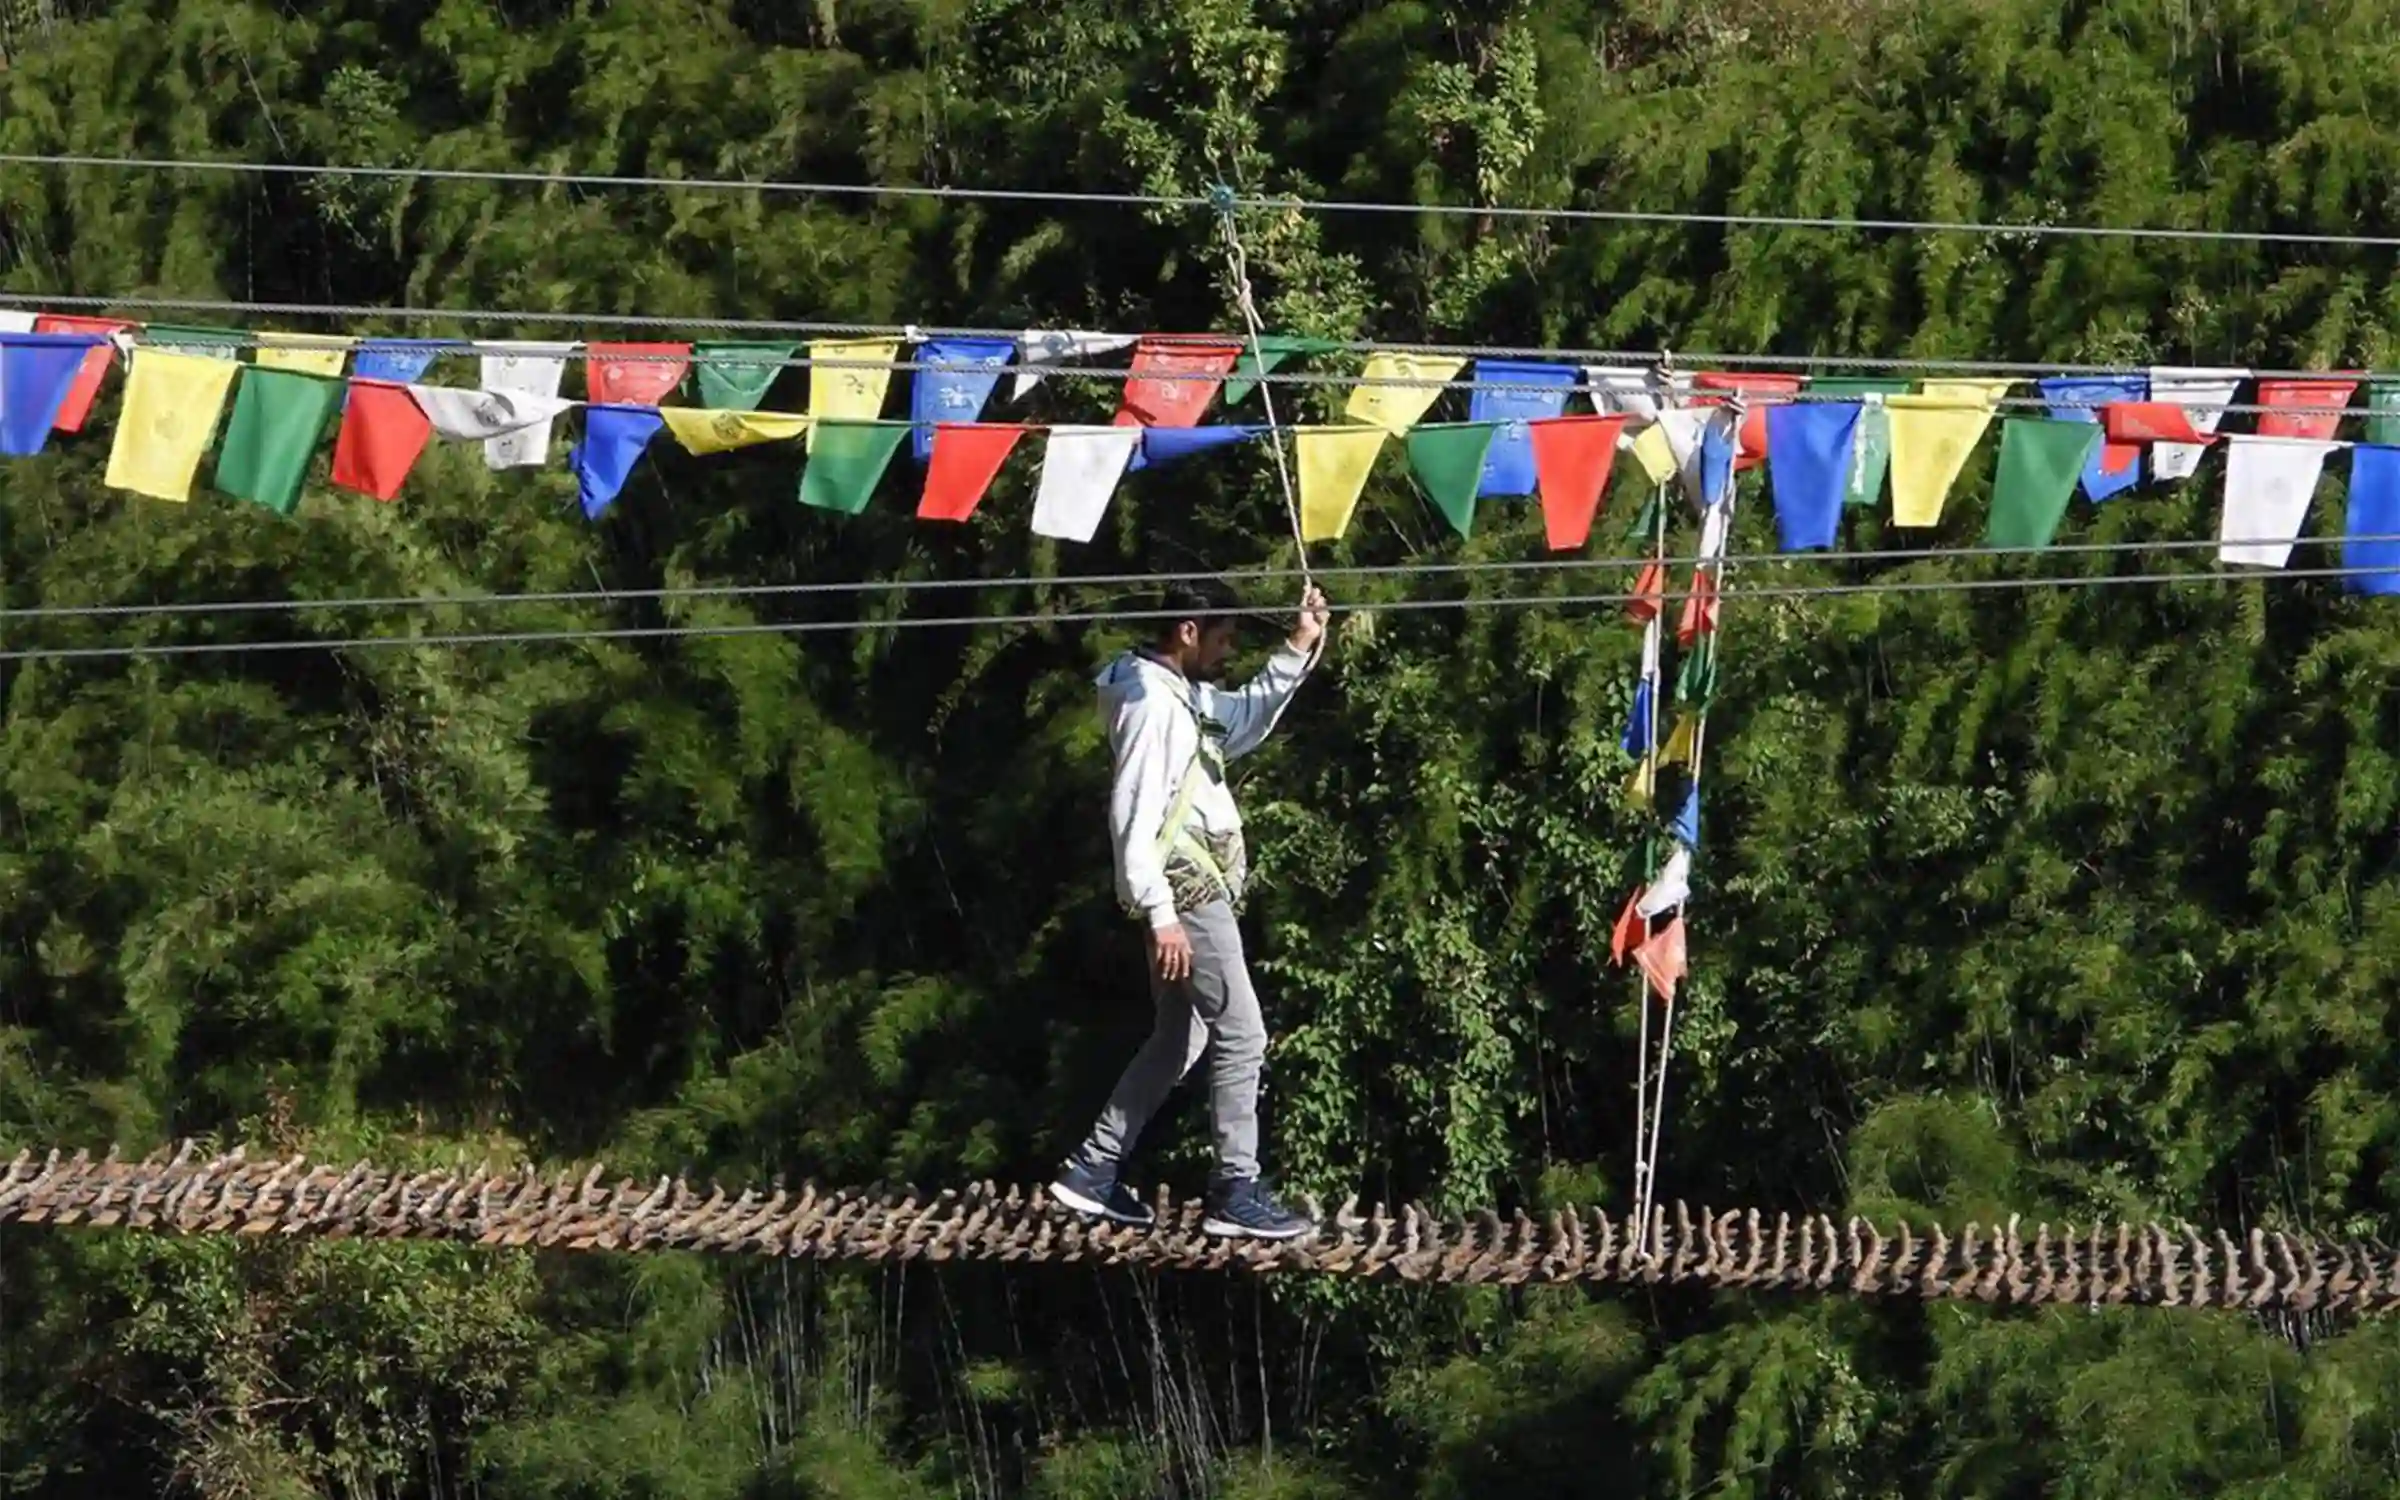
x,y
1238,201
1070,617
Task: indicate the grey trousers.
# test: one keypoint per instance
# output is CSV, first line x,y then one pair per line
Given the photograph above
x,y
1213,1011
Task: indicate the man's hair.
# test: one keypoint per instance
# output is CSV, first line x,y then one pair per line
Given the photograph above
x,y
1201,600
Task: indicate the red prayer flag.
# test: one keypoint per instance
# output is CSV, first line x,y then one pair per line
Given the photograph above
x,y
96,360
1175,403
1629,923
1662,958
383,431
1760,390
1649,594
1571,459
634,374
1699,609
2335,393
965,457
2138,422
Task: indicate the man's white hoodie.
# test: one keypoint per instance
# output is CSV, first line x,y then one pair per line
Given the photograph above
x,y
1153,714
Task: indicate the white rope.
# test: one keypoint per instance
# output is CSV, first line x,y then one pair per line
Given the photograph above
x,y
1239,263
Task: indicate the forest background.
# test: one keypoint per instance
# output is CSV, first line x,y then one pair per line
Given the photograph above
x,y
2064,902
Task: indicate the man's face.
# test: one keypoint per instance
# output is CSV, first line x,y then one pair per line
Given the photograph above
x,y
1206,662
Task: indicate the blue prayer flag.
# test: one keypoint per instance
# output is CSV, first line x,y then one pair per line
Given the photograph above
x,y
399,360
36,372
1508,467
613,440
2374,512
2077,398
953,395
1164,445
1808,461
1686,826
1716,460
1639,723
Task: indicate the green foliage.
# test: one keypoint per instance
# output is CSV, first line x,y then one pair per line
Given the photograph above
x,y
2066,902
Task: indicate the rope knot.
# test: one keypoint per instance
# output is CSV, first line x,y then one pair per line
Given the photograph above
x,y
1221,198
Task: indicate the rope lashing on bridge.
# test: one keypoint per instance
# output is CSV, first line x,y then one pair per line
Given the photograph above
x,y
2102,1265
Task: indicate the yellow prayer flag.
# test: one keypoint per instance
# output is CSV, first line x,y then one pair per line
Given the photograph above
x,y
1680,743
1396,408
308,353
848,392
1932,434
1334,463
172,402
1655,454
1642,790
704,429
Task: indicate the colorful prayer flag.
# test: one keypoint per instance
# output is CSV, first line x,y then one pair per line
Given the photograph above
x,y
383,433
394,361
172,402
1080,470
37,374
207,342
1043,346
1932,434
1662,959
1649,592
634,374
2383,411
77,407
846,461
613,440
2040,458
2371,530
701,430
736,375
2302,393
1571,460
278,418
966,456
517,367
2204,394
1334,463
1397,408
1447,459
1699,617
1274,349
302,353
1761,393
1533,391
953,386
2269,483
1165,445
1174,376
2112,468
1655,453
850,388
1809,451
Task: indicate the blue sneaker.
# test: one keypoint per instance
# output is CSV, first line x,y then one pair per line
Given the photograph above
x,y
1247,1209
1098,1195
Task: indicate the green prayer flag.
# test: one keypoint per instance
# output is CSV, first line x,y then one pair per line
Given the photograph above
x,y
1447,458
735,376
216,343
1696,674
1871,453
278,418
847,462
2383,410
1858,385
1645,520
2040,460
1273,350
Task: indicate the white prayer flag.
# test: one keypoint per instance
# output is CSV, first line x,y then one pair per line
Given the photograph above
x,y
468,416
1080,470
1673,886
2269,483
14,321
2203,394
1650,643
1714,523
1047,346
532,369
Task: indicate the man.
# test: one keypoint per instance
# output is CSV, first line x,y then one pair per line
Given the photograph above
x,y
1181,865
